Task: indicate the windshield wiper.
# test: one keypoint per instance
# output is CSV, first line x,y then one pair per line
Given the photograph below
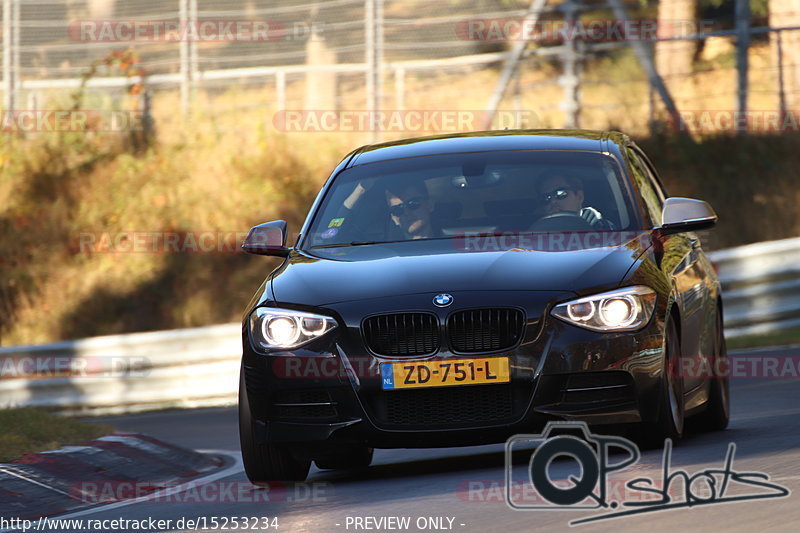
x,y
365,243
351,243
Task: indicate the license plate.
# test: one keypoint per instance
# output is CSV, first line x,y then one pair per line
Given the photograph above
x,y
416,374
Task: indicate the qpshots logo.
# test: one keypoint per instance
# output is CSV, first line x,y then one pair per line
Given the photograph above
x,y
550,475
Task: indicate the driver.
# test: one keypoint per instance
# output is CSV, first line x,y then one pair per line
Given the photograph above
x,y
564,194
410,207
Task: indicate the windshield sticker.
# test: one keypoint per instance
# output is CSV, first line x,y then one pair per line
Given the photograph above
x,y
328,233
335,222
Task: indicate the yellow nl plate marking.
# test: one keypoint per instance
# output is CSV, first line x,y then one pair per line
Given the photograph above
x,y
449,372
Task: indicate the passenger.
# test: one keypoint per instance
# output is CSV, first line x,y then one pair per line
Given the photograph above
x,y
408,206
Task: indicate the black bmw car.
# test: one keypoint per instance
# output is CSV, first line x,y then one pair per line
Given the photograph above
x,y
456,290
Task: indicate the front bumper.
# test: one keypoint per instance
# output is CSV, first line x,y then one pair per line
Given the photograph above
x,y
329,393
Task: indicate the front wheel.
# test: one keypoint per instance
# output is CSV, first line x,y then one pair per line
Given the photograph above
x,y
264,462
670,413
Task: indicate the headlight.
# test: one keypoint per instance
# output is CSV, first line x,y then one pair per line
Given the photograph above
x,y
274,328
620,310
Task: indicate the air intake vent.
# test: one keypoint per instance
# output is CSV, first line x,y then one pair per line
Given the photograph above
x,y
448,406
304,404
485,330
402,334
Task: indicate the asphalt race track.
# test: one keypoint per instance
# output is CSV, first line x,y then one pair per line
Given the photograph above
x,y
459,487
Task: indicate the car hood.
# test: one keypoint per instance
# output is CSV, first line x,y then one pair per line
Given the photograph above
x,y
379,271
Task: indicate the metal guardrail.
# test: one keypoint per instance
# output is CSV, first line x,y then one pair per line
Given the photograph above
x,y
200,366
760,286
194,367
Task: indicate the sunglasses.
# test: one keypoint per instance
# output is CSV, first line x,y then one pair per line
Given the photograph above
x,y
558,194
411,205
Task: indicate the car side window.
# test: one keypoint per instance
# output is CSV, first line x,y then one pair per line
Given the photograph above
x,y
652,196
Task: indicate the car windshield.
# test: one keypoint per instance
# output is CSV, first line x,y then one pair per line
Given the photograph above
x,y
447,196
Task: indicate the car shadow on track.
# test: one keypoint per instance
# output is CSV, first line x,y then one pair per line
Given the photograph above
x,y
697,447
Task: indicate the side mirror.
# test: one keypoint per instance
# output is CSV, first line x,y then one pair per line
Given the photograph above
x,y
687,214
267,239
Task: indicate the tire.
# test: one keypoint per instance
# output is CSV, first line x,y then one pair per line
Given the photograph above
x,y
358,457
669,422
265,462
717,414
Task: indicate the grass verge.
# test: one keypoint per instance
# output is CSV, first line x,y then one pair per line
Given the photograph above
x,y
28,430
776,338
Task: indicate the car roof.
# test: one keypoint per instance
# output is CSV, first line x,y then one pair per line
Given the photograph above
x,y
488,141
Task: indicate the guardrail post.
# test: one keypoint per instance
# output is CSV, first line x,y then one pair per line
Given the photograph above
x,y
643,56
571,58
400,88
193,59
188,55
781,87
742,47
518,49
33,101
148,124
373,37
10,54
280,90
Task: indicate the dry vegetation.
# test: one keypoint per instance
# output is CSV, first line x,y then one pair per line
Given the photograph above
x,y
226,169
